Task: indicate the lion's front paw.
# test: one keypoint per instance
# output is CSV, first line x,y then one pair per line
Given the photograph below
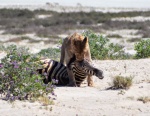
x,y
91,84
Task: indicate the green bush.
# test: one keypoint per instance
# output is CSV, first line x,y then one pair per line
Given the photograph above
x,y
142,49
52,53
98,47
101,48
18,76
116,52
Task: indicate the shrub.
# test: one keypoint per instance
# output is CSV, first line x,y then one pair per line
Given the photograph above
x,y
18,76
120,82
116,52
97,45
101,48
52,53
142,49
11,13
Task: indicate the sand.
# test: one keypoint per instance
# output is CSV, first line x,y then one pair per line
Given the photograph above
x,y
97,100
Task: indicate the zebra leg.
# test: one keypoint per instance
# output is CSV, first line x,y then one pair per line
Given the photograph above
x,y
90,81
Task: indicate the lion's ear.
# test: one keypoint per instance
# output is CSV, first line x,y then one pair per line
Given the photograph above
x,y
75,34
85,40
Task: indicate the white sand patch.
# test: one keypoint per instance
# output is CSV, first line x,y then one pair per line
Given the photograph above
x,y
43,16
62,35
37,47
125,33
2,55
4,38
2,31
34,47
34,37
130,51
132,19
8,37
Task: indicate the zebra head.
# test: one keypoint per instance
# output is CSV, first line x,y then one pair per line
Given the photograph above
x,y
98,73
88,69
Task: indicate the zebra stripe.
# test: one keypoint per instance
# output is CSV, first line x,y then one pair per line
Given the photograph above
x,y
56,70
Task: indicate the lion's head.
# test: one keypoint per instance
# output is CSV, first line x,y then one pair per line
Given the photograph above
x,y
79,46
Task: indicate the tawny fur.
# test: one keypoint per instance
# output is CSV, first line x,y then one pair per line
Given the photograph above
x,y
77,45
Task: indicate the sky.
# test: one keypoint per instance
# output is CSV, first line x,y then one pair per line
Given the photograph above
x,y
96,3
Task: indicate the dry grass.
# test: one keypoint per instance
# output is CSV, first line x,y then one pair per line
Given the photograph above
x,y
120,82
114,36
148,80
144,99
134,40
46,101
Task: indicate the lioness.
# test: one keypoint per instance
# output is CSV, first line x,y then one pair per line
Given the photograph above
x,y
77,45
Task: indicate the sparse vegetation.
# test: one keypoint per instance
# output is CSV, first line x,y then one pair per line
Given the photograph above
x,y
16,21
144,99
45,101
121,92
11,13
52,53
25,38
134,40
120,82
114,36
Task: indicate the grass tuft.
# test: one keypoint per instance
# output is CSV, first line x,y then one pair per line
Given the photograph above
x,y
46,101
144,99
120,82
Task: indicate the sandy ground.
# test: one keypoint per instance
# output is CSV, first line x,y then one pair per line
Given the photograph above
x,y
95,101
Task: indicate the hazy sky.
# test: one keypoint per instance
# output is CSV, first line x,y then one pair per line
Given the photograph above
x,y
97,3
